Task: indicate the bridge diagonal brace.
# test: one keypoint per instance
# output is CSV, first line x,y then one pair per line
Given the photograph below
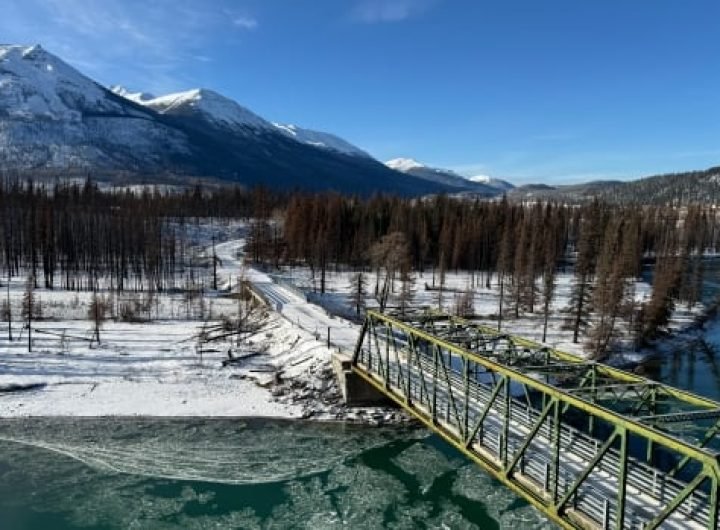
x,y
398,365
587,471
497,387
677,501
709,436
383,372
360,341
531,435
451,395
421,374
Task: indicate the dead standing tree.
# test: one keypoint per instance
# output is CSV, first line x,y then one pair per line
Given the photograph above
x,y
96,313
358,291
29,308
389,254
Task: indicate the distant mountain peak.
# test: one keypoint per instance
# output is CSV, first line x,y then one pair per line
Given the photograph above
x,y
35,84
483,179
214,106
404,164
480,184
490,181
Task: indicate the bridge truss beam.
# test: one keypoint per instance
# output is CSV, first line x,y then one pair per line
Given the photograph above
x,y
579,440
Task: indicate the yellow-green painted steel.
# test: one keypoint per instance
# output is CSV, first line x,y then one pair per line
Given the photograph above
x,y
555,400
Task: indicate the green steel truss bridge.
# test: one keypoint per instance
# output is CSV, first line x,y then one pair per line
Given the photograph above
x,y
589,445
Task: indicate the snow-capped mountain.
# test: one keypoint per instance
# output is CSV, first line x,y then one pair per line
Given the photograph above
x,y
35,84
477,185
53,117
212,106
500,184
321,139
404,164
228,113
54,120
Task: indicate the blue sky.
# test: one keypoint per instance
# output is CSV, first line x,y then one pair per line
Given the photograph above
x,y
529,90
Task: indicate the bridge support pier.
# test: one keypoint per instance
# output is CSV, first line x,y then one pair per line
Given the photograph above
x,y
355,390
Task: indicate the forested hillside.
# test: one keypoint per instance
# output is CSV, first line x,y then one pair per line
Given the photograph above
x,y
678,189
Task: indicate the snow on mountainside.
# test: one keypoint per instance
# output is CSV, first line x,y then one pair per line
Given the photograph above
x,y
137,97
477,185
404,164
321,139
225,112
52,116
216,107
56,122
35,84
490,181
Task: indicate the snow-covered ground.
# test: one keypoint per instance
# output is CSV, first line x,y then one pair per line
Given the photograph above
x,y
338,299
152,367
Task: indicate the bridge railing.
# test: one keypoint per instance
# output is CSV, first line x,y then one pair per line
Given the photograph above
x,y
549,425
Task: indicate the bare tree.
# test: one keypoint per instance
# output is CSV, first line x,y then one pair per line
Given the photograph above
x,y
96,313
464,303
407,281
504,262
390,253
358,290
441,284
247,308
6,310
215,260
28,309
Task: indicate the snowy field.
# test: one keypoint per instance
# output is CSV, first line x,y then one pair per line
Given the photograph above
x,y
152,367
338,299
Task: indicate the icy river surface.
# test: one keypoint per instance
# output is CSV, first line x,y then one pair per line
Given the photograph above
x,y
63,473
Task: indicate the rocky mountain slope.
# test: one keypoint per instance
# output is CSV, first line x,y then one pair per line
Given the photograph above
x,y
56,121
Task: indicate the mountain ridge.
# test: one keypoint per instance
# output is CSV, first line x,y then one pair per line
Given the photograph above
x,y
53,118
479,185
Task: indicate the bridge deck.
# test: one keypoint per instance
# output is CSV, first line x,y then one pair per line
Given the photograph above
x,y
567,450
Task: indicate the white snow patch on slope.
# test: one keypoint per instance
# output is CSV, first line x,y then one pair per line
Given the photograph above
x,y
137,97
215,106
490,181
482,179
404,164
320,139
36,84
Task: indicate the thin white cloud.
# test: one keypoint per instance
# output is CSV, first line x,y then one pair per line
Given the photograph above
x,y
146,45
245,22
379,11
